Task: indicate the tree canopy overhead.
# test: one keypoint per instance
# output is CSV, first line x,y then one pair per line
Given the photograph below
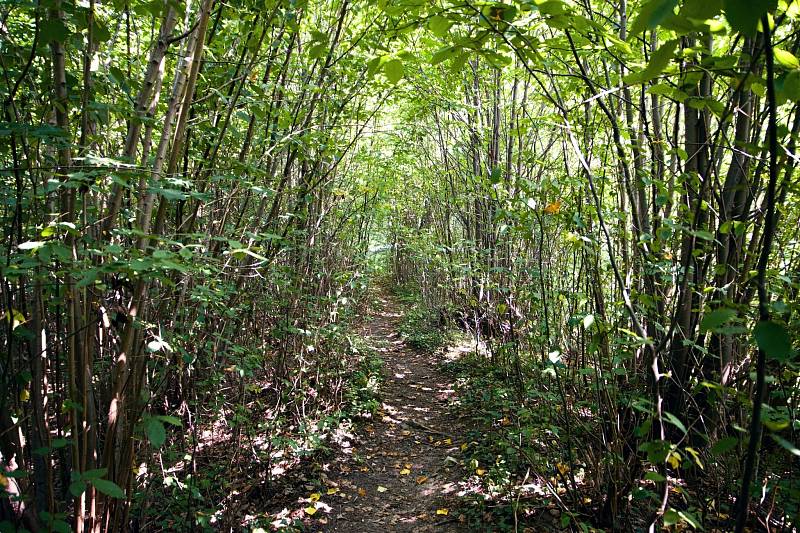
x,y
200,197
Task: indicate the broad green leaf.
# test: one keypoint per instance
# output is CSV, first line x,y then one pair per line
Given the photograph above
x,y
53,29
658,62
31,245
672,419
175,421
655,476
76,488
155,431
786,444
393,70
701,9
97,473
785,58
109,488
716,318
439,25
690,519
774,339
743,15
723,446
651,14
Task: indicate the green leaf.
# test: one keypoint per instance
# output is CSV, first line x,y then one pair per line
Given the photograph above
x,y
774,339
318,50
393,70
786,444
53,30
651,14
658,62
76,488
655,476
109,488
155,431
31,245
716,318
690,519
439,25
94,474
672,419
785,58
743,15
174,420
725,445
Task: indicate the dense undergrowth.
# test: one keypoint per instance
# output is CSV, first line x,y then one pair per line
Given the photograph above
x,y
535,457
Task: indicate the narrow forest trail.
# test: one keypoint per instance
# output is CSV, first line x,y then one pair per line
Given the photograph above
x,y
398,471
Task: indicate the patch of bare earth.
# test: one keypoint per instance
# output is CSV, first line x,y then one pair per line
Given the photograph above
x,y
401,472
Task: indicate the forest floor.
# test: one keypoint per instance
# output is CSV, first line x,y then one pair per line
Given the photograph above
x,y
400,473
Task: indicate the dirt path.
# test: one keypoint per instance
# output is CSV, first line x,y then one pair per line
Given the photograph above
x,y
401,474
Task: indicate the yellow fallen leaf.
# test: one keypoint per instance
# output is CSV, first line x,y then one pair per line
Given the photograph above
x,y
442,511
362,492
407,465
480,471
315,497
332,490
464,446
365,469
421,480
562,468
310,510
448,441
382,489
405,472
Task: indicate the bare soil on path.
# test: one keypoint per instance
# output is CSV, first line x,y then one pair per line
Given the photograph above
x,y
401,473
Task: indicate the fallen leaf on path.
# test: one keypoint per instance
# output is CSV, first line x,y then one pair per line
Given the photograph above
x,y
362,492
333,490
315,497
310,510
448,441
405,472
421,480
382,489
442,511
480,471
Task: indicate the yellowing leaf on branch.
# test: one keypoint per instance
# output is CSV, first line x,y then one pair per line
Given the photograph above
x,y
553,208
